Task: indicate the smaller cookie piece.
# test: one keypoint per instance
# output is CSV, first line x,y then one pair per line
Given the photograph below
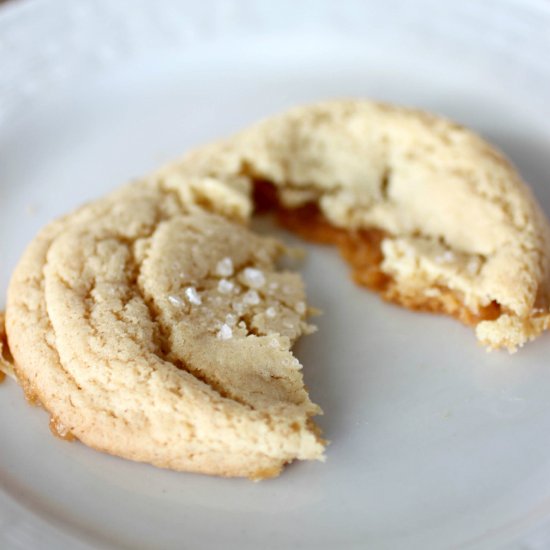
x,y
156,331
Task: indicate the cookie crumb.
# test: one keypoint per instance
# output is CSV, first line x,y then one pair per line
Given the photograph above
x,y
193,295
224,267
271,312
254,277
225,332
30,209
300,308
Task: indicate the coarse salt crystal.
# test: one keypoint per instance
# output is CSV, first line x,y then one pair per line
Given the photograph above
x,y
274,343
300,308
225,332
175,300
271,312
225,286
273,285
254,277
230,319
224,268
251,298
193,295
238,307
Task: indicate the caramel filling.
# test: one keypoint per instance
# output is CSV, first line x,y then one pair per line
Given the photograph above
x,y
362,250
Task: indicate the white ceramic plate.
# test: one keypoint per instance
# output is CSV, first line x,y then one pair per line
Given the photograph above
x,y
435,443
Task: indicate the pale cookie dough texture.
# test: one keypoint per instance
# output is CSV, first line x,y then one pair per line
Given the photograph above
x,y
159,332
456,214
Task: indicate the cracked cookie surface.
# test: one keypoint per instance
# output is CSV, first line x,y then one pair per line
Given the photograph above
x,y
159,332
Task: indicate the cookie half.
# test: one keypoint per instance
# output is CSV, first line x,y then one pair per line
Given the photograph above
x,y
156,331
429,214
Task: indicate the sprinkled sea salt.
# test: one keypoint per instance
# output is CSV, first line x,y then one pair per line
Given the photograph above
x,y
251,298
225,332
224,268
274,343
271,312
238,307
225,286
273,285
193,295
175,300
300,308
230,319
254,277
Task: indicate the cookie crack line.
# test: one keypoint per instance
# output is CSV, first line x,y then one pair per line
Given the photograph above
x,y
165,335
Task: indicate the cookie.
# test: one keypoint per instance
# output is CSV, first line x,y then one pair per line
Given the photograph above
x,y
429,214
6,361
159,332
